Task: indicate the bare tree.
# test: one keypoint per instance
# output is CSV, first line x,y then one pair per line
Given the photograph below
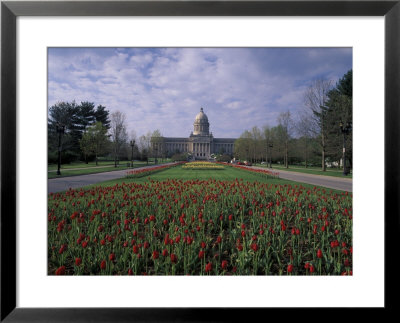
x,y
156,144
286,123
268,142
118,133
256,145
315,99
243,145
303,127
144,146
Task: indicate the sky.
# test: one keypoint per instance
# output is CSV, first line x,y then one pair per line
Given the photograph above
x,y
164,88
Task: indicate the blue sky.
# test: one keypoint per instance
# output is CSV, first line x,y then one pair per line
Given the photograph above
x,y
164,88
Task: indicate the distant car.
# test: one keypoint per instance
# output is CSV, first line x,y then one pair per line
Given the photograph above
x,y
247,163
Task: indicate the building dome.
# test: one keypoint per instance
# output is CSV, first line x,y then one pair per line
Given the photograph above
x,y
201,117
201,124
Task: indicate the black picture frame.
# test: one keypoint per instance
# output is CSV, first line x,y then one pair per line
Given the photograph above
x,y
10,10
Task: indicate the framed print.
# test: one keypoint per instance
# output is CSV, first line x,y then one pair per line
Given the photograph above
x,y
41,40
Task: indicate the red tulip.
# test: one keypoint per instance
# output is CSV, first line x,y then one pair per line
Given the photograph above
x,y
319,253
103,265
155,254
62,249
174,258
60,271
208,267
224,264
254,246
201,254
289,268
78,261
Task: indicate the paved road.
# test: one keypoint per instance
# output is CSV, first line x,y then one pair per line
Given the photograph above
x,y
337,183
64,183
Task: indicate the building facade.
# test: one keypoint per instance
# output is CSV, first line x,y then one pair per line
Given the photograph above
x,y
201,143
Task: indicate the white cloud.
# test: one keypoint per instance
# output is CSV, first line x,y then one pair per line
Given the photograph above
x,y
165,88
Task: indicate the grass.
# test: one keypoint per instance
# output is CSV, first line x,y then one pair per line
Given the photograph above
x,y
309,170
80,168
228,174
80,164
53,167
76,172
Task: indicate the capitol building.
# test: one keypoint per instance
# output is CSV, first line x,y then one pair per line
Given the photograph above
x,y
200,144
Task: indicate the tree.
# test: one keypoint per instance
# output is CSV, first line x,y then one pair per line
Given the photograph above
x,y
257,144
62,114
76,119
119,135
102,115
86,144
315,99
156,141
243,145
94,141
144,146
303,128
340,111
86,115
267,138
286,128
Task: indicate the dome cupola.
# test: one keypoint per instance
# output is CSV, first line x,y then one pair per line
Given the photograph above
x,y
201,124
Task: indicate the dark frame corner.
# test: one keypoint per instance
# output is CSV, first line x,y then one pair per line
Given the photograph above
x,y
10,10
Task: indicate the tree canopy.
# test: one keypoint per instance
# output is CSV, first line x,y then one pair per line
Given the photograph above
x,y
75,118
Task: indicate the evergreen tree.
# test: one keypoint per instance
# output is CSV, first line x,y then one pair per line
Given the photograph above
x,y
102,115
76,119
340,112
62,114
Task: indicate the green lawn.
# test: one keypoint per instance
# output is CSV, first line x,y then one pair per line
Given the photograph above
x,y
309,170
53,167
80,168
229,173
76,172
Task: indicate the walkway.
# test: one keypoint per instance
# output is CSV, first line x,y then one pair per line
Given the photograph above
x,y
337,183
64,183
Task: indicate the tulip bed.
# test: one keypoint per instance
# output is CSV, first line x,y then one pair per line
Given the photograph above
x,y
142,172
200,227
202,165
262,172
